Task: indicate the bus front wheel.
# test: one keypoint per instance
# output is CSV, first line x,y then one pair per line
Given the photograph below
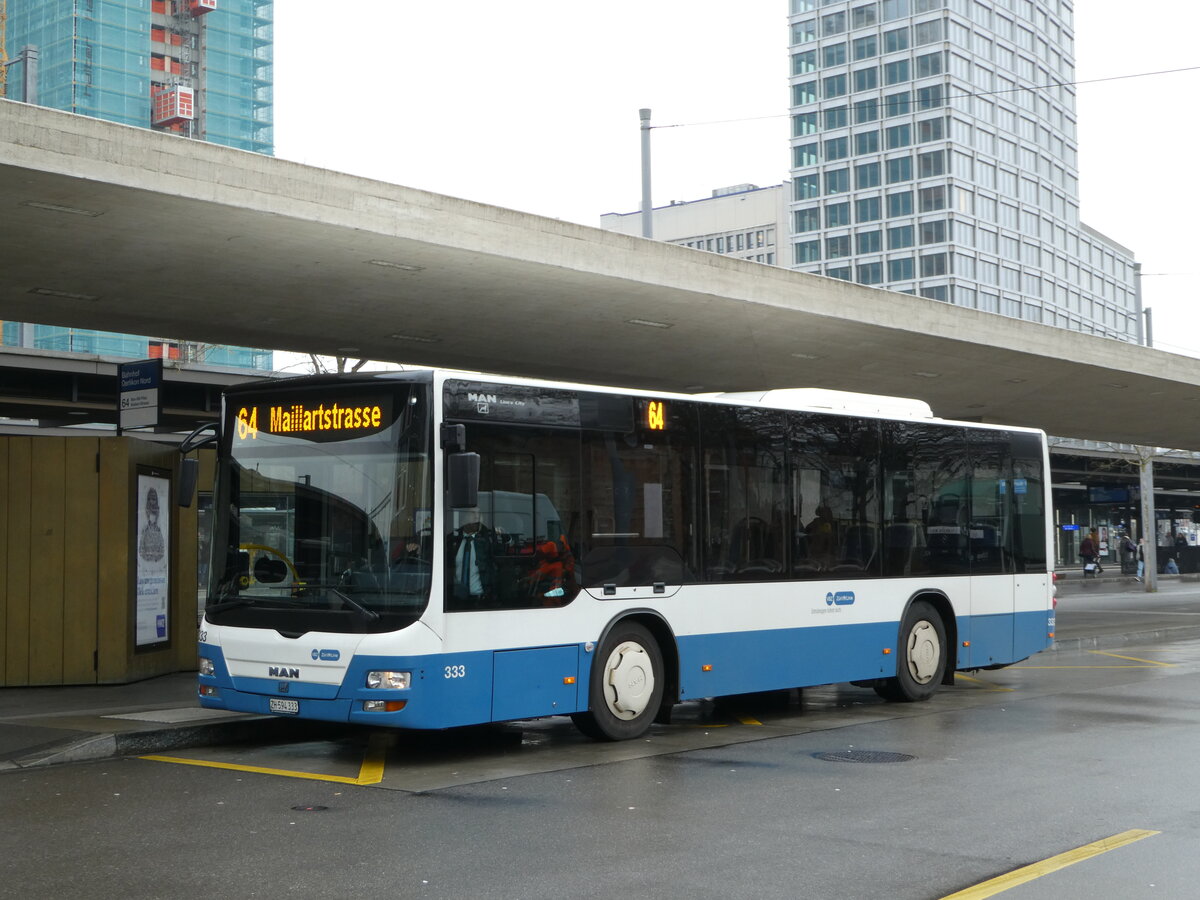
x,y
922,659
626,686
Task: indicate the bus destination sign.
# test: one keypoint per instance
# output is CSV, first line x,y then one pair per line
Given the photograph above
x,y
324,420
656,415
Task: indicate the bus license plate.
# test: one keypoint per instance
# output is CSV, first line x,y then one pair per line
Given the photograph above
x,y
277,705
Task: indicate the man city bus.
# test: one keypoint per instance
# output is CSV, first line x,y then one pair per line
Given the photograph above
x,y
435,549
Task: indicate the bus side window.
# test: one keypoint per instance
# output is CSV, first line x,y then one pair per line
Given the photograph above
x,y
836,465
991,484
745,492
499,555
1028,544
640,523
926,512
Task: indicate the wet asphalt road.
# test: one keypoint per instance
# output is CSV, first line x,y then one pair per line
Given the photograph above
x,y
1006,769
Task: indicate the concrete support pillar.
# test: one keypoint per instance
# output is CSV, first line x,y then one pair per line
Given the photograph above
x,y
1149,524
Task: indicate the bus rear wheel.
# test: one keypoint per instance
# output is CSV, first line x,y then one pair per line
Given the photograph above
x,y
626,686
922,660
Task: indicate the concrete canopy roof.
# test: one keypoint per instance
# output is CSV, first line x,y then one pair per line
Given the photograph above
x,y
124,229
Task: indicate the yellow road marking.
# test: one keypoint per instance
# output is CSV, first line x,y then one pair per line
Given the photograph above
x,y
746,720
987,684
1158,650
1028,873
260,770
1149,662
1149,665
370,772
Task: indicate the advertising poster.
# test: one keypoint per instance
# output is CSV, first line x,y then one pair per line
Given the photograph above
x,y
153,561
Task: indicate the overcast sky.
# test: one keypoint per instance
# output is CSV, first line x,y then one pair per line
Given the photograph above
x,y
533,105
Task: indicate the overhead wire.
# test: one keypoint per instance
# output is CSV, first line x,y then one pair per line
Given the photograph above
x,y
952,97
1012,90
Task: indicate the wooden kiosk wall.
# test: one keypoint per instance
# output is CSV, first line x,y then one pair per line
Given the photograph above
x,y
68,548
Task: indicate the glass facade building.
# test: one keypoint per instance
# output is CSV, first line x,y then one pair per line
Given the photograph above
x,y
239,77
933,152
107,59
120,60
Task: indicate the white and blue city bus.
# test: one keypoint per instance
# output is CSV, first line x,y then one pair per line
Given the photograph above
x,y
436,549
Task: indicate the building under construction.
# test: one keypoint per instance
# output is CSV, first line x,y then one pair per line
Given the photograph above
x,y
201,69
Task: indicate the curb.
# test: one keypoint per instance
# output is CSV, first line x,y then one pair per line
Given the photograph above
x,y
157,740
1078,581
1100,641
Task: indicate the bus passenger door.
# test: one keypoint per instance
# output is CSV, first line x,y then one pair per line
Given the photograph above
x,y
989,539
991,623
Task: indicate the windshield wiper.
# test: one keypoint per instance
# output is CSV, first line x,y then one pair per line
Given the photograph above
x,y
369,614
236,602
230,604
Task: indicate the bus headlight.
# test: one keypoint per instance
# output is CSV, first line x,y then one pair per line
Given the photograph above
x,y
395,681
206,666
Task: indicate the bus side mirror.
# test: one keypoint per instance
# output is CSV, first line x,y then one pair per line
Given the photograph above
x,y
206,434
464,480
189,469
454,438
189,473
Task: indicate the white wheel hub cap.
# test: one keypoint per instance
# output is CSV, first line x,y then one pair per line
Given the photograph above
x,y
628,680
924,651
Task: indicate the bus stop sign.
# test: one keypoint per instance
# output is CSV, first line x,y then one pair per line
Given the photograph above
x,y
141,393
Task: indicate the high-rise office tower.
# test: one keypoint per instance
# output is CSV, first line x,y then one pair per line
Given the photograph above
x,y
201,69
933,152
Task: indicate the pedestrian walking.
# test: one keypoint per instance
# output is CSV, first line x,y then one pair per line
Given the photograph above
x,y
1128,553
1089,552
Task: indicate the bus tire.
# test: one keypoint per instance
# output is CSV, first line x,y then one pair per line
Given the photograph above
x,y
626,686
922,653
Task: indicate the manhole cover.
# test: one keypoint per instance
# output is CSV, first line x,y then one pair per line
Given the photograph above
x,y
864,756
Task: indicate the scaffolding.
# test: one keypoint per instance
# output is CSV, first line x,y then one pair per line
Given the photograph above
x,y
3,55
177,95
27,58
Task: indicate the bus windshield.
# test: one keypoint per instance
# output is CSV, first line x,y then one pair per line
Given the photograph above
x,y
327,498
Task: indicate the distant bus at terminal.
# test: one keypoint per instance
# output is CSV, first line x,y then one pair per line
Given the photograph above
x,y
436,549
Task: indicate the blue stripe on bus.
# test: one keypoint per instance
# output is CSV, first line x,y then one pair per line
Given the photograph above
x,y
771,660
453,689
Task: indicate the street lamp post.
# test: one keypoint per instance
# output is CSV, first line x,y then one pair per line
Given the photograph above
x,y
647,208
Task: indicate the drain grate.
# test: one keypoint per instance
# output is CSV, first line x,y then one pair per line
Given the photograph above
x,y
864,756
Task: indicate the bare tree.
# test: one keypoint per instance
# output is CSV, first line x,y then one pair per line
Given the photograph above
x,y
344,364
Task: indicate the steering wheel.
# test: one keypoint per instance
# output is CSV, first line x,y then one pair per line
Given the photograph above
x,y
264,548
417,556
